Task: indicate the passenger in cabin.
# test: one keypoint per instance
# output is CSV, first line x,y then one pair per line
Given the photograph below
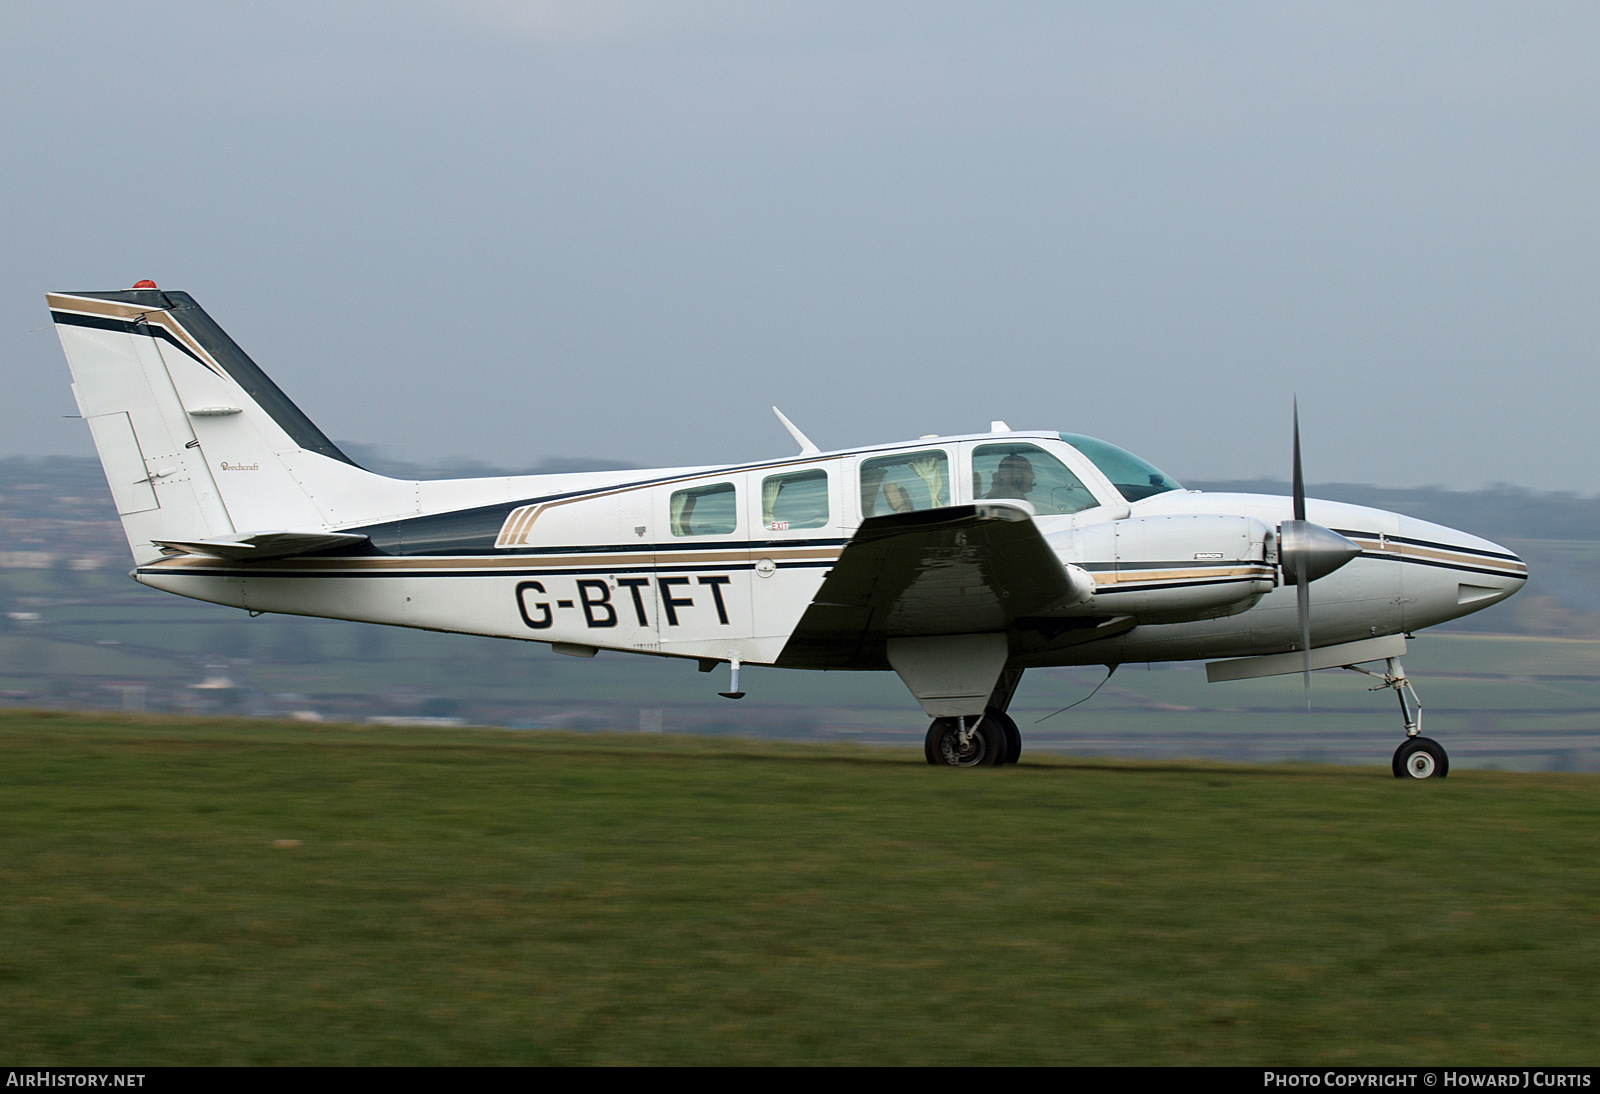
x,y
904,483
1012,479
899,501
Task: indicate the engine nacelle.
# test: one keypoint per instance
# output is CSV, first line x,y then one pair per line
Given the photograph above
x,y
1175,569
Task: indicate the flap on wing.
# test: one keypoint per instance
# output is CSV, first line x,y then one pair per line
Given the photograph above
x,y
262,545
964,569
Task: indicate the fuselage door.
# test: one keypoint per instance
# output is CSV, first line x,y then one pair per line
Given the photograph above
x,y
798,532
702,576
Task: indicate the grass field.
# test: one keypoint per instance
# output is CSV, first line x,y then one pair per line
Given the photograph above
x,y
255,892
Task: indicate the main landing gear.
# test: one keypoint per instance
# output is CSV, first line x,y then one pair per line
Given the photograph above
x,y
1417,757
989,740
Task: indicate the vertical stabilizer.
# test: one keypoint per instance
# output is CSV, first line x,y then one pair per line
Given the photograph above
x,y
195,440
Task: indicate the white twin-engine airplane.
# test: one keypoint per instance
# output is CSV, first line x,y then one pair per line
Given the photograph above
x,y
958,562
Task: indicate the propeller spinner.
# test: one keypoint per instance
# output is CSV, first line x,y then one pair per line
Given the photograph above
x,y
1306,552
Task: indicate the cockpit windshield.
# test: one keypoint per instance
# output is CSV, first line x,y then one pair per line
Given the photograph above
x,y
1134,479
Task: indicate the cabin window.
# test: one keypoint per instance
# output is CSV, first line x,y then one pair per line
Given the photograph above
x,y
1028,473
1134,479
704,511
904,483
793,501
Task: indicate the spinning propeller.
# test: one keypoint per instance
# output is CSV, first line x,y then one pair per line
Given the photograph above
x,y
1306,552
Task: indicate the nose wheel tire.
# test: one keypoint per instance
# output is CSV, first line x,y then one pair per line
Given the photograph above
x,y
1421,758
985,744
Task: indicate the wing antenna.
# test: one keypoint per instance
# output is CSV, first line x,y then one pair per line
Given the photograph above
x,y
807,448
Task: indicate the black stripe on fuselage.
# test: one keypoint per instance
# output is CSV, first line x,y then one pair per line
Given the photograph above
x,y
259,571
1382,537
1198,564
1150,587
1381,557
499,571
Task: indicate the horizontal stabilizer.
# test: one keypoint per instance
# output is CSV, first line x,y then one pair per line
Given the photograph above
x,y
262,545
1324,657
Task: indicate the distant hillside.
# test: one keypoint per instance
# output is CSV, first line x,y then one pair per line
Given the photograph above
x,y
1498,513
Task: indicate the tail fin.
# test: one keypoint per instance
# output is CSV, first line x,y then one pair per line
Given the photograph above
x,y
195,440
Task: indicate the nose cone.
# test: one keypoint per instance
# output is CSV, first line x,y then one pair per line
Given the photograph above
x,y
1309,551
1452,573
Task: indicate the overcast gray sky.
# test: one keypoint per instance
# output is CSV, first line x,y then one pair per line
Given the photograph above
x,y
513,230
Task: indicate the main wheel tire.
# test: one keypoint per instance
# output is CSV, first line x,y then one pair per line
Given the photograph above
x,y
1013,735
930,743
1421,758
986,746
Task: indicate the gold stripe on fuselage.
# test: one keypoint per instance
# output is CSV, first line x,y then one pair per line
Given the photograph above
x,y
510,563
1385,546
1126,577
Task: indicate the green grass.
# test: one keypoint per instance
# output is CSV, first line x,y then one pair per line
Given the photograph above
x,y
491,897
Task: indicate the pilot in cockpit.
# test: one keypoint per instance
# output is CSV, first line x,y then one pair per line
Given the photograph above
x,y
1012,479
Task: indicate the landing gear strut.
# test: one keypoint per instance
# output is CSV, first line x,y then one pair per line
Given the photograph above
x,y
972,741
1418,757
989,740
967,742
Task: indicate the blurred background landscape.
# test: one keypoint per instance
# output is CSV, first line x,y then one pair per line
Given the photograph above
x,y
626,228
1515,687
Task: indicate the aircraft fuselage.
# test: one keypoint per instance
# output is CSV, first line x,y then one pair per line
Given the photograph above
x,y
692,563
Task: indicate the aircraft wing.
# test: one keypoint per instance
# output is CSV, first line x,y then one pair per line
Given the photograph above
x,y
964,569
262,545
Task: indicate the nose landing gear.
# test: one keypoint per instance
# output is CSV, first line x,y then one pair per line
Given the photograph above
x,y
1420,758
1417,757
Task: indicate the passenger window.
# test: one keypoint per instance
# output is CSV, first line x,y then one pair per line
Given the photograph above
x,y
1028,473
795,501
904,483
704,511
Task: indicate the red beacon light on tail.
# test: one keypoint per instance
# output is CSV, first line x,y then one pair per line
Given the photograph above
x,y
145,284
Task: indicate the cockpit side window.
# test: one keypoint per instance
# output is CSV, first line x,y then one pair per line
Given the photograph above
x,y
1028,473
904,483
704,511
1134,479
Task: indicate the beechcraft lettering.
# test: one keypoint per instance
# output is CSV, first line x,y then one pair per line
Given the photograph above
x,y
956,562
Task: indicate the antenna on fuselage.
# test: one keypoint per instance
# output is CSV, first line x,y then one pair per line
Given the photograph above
x,y
807,448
